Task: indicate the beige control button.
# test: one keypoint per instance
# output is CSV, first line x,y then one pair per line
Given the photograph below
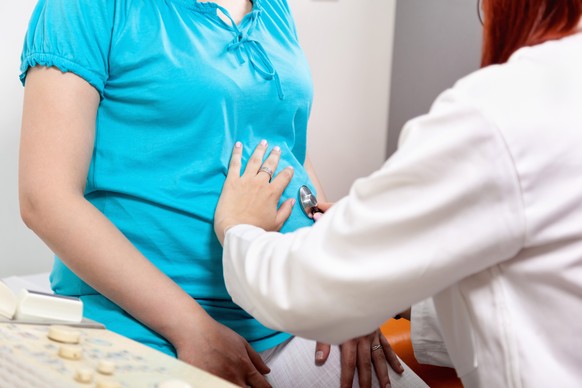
x,y
174,384
108,384
70,352
64,334
84,375
106,367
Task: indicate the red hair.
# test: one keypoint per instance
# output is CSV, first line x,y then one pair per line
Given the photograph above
x,y
512,24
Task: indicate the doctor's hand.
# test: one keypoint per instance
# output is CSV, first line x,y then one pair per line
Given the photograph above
x,y
362,353
323,207
217,349
253,197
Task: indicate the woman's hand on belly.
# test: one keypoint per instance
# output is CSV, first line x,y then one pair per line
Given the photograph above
x,y
253,197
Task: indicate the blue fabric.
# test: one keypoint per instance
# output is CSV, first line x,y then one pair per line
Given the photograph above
x,y
178,88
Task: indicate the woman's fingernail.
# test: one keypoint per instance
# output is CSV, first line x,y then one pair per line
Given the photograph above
x,y
238,144
293,202
319,355
277,148
263,142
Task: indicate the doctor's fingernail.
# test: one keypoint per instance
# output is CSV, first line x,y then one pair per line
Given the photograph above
x,y
319,355
263,142
277,148
238,144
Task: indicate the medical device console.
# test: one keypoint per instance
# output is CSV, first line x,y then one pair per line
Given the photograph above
x,y
62,356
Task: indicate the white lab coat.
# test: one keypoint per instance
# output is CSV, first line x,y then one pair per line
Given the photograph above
x,y
481,206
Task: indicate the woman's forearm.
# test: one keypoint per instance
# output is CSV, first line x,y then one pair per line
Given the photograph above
x,y
92,247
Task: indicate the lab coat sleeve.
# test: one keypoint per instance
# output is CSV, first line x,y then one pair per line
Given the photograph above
x,y
426,337
445,206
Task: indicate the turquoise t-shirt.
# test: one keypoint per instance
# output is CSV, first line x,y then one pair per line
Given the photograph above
x,y
179,86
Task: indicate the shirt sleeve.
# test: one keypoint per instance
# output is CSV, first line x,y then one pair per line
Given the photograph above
x,y
73,36
445,206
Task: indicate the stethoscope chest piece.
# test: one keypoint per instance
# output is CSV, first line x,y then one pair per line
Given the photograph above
x,y
308,201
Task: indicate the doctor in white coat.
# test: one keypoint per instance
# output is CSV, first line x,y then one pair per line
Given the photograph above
x,y
480,208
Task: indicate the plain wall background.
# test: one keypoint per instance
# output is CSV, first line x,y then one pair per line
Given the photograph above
x,y
349,46
435,44
21,252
